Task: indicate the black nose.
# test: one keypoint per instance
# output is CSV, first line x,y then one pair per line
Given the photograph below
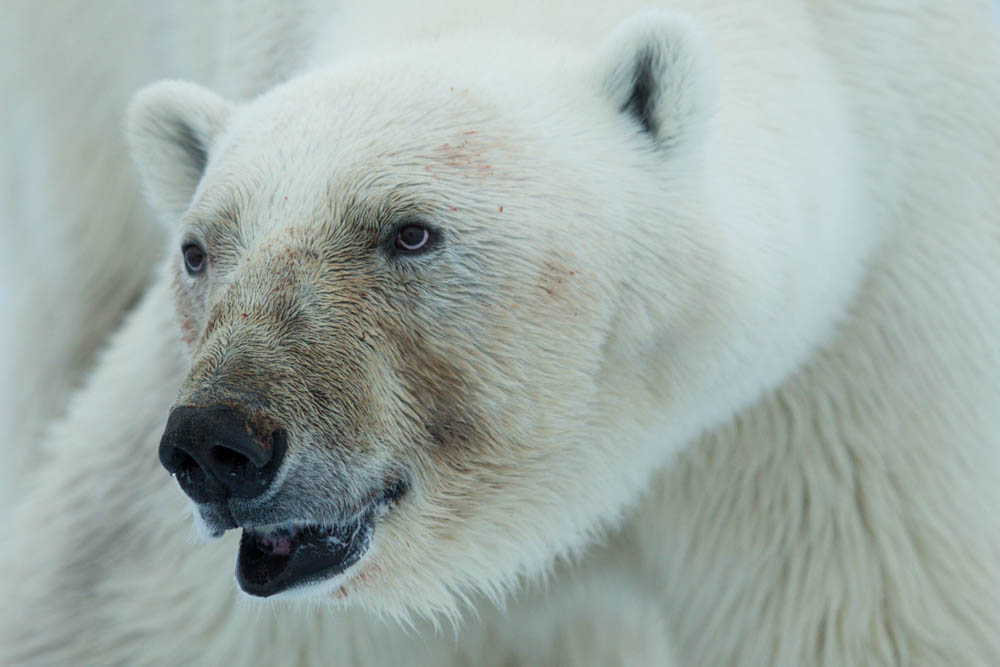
x,y
219,453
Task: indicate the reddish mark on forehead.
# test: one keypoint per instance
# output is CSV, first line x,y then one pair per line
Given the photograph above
x,y
453,208
470,154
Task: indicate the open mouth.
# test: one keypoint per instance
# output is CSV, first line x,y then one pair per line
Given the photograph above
x,y
279,557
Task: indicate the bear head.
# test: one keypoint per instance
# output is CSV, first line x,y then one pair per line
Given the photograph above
x,y
418,288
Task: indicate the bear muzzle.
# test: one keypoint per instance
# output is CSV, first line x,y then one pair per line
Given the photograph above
x,y
225,459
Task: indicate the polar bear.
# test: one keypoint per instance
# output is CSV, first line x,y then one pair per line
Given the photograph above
x,y
686,309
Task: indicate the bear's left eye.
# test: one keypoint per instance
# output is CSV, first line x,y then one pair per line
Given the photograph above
x,y
195,258
413,238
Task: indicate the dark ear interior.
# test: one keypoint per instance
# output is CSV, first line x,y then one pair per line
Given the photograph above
x,y
171,128
657,69
641,102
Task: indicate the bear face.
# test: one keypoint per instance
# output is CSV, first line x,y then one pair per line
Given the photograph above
x,y
401,288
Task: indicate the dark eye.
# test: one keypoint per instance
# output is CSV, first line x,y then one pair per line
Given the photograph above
x,y
195,258
412,238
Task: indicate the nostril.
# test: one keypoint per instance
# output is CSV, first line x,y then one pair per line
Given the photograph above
x,y
228,459
177,461
185,463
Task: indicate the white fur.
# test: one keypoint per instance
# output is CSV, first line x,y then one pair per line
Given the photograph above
x,y
799,371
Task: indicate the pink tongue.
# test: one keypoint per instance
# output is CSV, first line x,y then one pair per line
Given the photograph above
x,y
280,545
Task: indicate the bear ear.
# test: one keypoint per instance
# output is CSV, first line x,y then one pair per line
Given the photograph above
x,y
170,129
656,68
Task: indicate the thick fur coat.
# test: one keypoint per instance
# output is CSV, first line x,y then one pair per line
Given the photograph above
x,y
701,368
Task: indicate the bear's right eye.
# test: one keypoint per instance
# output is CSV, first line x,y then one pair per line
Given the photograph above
x,y
413,238
195,258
